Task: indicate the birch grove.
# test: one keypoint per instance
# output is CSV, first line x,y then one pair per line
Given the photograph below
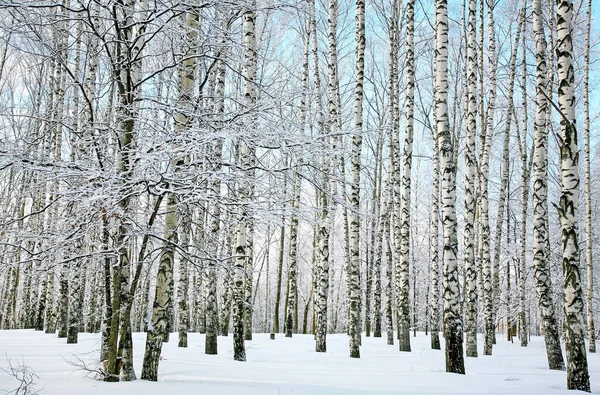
x,y
309,168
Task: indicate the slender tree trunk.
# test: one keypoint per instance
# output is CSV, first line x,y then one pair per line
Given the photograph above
x,y
354,272
107,310
328,168
292,304
523,330
184,277
291,309
248,158
212,313
540,201
163,292
373,247
452,320
577,367
404,220
389,285
588,195
434,220
488,291
279,268
227,289
242,319
378,256
76,304
470,201
394,152
505,170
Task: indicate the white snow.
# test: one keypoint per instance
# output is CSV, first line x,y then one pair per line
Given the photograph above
x,y
291,366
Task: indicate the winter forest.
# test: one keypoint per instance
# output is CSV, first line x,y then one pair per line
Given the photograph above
x,y
422,175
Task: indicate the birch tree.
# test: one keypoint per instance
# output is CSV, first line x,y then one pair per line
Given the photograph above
x,y
488,297
470,175
525,178
541,235
577,367
404,258
588,194
214,211
452,321
354,324
504,181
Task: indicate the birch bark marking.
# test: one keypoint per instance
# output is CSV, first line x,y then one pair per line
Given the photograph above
x,y
184,277
247,158
329,182
434,220
377,261
540,200
577,367
488,292
291,323
523,330
127,73
394,152
470,266
161,321
242,320
404,256
214,209
588,197
453,326
355,322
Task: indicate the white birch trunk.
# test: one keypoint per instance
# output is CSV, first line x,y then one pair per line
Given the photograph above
x,y
212,313
354,272
405,206
523,331
540,200
568,207
488,292
453,326
588,195
470,175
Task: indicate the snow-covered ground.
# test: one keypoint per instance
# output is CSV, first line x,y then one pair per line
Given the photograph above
x,y
290,366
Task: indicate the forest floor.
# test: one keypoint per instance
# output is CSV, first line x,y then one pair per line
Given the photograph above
x,y
288,366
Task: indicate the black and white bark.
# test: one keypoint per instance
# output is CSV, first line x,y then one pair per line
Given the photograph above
x,y
541,236
470,200
588,194
568,207
402,275
453,326
488,291
355,170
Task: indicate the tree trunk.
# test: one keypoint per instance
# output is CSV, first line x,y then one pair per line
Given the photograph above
x,y
354,272
163,293
402,272
452,320
279,270
470,201
184,278
588,195
212,312
523,331
488,290
577,367
540,201
292,305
